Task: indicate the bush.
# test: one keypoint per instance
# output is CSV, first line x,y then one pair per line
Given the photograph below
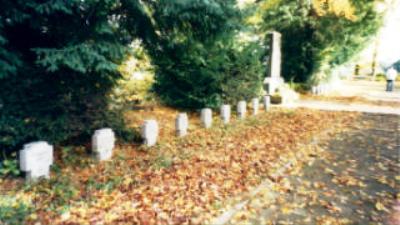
x,y
9,166
58,71
13,211
198,63
138,78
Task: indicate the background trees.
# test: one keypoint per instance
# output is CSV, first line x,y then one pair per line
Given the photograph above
x,y
198,59
59,59
319,34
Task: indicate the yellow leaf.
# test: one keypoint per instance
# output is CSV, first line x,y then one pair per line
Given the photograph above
x,y
286,210
33,216
380,207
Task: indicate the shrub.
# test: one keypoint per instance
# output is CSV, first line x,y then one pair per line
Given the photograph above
x,y
138,78
59,63
9,166
13,211
198,64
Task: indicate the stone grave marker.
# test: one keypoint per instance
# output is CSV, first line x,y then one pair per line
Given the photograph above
x,y
241,109
206,117
255,102
314,90
225,113
181,124
36,159
103,143
267,102
150,132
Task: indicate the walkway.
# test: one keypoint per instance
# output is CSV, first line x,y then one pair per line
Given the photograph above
x,y
354,177
353,180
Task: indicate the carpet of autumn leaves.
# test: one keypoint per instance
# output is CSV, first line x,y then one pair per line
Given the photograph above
x,y
353,179
181,180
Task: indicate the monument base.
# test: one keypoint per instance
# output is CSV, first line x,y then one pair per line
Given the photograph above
x,y
272,84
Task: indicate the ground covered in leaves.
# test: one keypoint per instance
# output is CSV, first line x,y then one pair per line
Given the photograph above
x,y
355,179
181,180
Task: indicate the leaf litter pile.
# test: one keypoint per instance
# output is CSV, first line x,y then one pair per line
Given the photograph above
x,y
181,180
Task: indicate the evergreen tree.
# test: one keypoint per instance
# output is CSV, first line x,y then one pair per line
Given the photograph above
x,y
198,61
58,62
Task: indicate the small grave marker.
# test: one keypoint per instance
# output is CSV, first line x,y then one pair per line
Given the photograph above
x,y
36,159
150,132
267,102
255,102
241,109
103,143
181,124
225,113
206,117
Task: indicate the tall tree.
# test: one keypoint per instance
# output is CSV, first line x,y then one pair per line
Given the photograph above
x,y
58,62
198,60
319,34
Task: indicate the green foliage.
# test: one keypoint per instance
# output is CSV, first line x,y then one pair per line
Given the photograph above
x,y
396,65
9,166
312,43
198,63
138,78
13,211
59,62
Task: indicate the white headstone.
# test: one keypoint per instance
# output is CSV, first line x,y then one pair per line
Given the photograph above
x,y
103,143
150,132
241,109
36,159
319,90
225,113
284,98
181,124
267,102
314,90
255,102
206,117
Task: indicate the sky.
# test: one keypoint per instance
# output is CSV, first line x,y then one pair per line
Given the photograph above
x,y
389,50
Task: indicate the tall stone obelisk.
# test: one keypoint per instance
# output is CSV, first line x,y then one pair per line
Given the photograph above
x,y
274,79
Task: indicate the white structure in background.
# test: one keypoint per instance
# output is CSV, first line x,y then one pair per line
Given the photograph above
x,y
273,81
241,109
150,132
225,113
103,143
181,124
36,159
206,117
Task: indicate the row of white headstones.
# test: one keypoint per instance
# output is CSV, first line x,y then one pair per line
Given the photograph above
x,y
37,157
321,89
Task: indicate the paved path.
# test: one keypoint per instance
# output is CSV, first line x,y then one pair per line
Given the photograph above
x,y
353,180
332,106
368,89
